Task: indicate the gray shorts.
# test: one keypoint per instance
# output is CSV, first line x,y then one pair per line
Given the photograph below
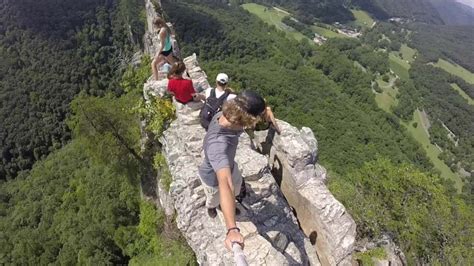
x,y
212,193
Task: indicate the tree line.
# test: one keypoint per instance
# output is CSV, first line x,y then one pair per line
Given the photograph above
x,y
49,53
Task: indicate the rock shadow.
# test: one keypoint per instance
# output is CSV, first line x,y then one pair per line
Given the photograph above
x,y
272,219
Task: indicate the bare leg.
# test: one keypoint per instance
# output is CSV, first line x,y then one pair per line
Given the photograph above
x,y
156,64
170,58
153,67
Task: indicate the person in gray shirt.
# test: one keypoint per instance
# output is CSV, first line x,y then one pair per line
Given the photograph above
x,y
219,173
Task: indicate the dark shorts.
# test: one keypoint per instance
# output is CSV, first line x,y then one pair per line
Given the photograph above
x,y
166,53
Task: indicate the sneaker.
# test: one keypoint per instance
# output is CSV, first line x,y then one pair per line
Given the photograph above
x,y
212,212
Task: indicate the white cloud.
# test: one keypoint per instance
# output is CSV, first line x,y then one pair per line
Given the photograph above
x,y
467,2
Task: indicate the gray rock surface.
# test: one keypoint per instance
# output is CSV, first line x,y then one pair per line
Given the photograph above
x,y
287,173
267,210
292,156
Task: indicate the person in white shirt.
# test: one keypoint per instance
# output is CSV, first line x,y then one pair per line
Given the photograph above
x,y
222,80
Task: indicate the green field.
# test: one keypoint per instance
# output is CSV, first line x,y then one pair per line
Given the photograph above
x,y
386,100
408,54
400,60
456,70
432,151
363,19
388,97
399,66
327,32
274,17
463,94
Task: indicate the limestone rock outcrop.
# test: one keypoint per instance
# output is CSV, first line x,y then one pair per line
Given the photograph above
x,y
271,232
289,216
292,157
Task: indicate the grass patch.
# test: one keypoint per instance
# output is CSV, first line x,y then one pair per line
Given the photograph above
x,y
463,94
159,162
420,134
273,17
399,66
456,70
365,258
408,54
363,19
388,98
327,32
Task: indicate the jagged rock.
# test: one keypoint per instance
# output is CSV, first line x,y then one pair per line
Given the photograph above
x,y
321,173
269,226
195,72
182,145
280,240
166,202
155,88
394,255
292,156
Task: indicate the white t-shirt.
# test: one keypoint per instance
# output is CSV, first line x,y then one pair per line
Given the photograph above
x,y
219,94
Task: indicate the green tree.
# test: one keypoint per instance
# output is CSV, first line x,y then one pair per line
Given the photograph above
x,y
428,223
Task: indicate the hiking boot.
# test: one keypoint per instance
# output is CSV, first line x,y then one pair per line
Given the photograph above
x,y
212,212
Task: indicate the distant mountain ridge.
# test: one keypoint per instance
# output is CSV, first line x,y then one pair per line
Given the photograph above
x,y
454,13
437,12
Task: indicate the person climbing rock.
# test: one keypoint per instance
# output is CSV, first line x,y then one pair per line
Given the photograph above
x,y
181,88
219,172
215,98
165,52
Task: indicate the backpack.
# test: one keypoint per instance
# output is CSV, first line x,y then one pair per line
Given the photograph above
x,y
212,106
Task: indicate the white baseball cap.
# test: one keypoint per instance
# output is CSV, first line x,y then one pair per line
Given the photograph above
x,y
222,78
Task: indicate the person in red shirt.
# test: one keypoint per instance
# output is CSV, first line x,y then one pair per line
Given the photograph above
x,y
181,88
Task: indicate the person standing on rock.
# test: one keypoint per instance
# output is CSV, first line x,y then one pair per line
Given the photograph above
x,y
165,53
219,172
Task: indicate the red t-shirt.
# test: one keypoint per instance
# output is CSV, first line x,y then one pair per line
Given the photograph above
x,y
182,88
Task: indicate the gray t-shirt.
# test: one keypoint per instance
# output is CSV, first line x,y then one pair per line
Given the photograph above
x,y
220,145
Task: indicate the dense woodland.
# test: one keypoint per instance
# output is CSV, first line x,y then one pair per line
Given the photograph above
x,y
49,53
78,119
81,202
321,88
444,105
448,42
426,87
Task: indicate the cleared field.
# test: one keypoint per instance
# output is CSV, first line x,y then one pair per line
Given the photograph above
x,y
327,32
408,54
362,19
388,97
274,17
399,66
385,101
432,151
456,70
463,94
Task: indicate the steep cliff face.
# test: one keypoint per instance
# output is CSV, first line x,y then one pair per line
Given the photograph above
x,y
289,216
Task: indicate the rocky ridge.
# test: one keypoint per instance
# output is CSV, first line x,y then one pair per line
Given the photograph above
x,y
279,171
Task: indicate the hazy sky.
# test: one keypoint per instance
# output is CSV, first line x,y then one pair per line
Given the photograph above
x,y
467,2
